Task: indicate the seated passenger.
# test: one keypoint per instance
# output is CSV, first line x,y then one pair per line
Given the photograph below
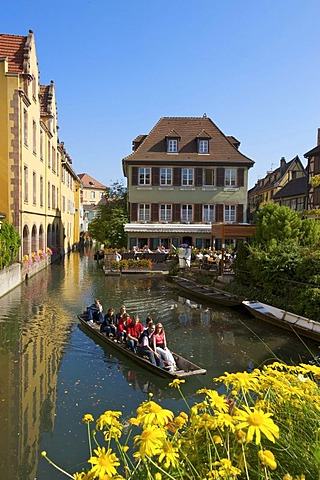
x,y
160,249
109,324
145,346
146,249
160,346
134,330
95,312
122,327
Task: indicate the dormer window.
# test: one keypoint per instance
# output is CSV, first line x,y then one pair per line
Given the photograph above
x,y
203,146
172,146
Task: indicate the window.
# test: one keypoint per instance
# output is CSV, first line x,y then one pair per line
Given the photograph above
x,y
144,176
63,203
208,213
53,158
172,146
53,196
100,195
34,186
144,212
25,183
58,163
34,137
92,195
230,177
203,146
41,191
187,176
41,145
49,154
229,213
49,193
165,176
208,176
165,213
186,213
25,127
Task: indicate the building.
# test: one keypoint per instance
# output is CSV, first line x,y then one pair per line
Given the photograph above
x,y
313,169
92,192
39,190
182,177
293,194
265,188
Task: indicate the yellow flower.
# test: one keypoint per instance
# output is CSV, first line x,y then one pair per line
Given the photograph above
x,y
150,413
287,476
241,436
169,454
226,468
150,441
104,463
176,383
108,418
80,476
267,459
157,476
216,401
87,418
217,440
257,422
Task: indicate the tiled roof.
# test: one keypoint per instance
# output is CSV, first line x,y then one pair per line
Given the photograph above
x,y
312,153
44,91
154,146
90,182
296,187
12,47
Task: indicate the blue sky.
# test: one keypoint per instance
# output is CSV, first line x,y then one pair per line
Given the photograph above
x,y
119,65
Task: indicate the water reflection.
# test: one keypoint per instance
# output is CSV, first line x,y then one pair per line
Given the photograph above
x,y
52,373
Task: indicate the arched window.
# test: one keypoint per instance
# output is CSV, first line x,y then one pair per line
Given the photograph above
x,y
53,236
34,239
49,237
41,238
26,241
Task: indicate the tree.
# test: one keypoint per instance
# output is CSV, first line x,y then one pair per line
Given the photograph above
x,y
10,243
277,223
108,226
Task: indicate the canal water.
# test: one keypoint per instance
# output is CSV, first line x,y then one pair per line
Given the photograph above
x,y
52,372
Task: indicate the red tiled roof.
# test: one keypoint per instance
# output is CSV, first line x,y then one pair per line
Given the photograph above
x,y
154,146
44,91
12,47
86,179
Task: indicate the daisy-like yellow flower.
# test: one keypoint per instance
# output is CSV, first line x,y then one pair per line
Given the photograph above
x,y
169,455
257,422
104,463
112,432
108,418
217,440
176,383
287,476
157,476
150,441
216,401
267,459
80,476
240,381
87,418
226,468
150,413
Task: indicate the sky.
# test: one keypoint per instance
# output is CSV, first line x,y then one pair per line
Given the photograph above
x,y
120,65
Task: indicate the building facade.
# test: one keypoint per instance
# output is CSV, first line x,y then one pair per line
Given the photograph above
x,y
92,193
313,170
182,177
39,190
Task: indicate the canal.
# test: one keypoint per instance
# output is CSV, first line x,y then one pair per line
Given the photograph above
x,y
52,372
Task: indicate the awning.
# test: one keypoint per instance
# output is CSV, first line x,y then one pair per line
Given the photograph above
x,y
168,228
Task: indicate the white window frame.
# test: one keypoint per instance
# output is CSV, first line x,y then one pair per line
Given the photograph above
x,y
187,177
230,176
92,195
165,212
172,146
144,210
165,176
186,213
203,146
144,176
229,214
211,171
208,213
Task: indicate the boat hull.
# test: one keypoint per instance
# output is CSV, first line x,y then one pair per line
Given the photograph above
x,y
185,368
304,327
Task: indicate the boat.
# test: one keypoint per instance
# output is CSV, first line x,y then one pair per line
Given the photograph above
x,y
302,326
208,293
185,368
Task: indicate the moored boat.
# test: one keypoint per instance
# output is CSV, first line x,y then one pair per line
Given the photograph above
x,y
185,368
208,293
303,326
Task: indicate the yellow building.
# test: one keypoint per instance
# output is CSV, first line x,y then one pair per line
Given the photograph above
x,y
39,190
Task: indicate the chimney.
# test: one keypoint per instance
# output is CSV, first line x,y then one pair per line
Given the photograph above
x,y
318,136
283,165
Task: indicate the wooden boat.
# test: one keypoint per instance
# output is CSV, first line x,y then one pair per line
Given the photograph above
x,y
185,368
209,294
305,327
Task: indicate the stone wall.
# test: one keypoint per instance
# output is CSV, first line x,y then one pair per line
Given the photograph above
x,y
10,278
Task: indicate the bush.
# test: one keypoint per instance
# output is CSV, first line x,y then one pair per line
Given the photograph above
x,y
10,243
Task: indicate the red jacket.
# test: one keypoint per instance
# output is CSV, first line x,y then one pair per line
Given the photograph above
x,y
134,330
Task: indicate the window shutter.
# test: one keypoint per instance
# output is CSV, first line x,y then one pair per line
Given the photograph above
x,y
219,213
240,213
220,177
155,176
134,176
155,212
197,212
176,212
177,177
198,177
240,177
133,212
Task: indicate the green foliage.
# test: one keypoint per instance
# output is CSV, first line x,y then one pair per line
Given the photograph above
x,y
108,226
10,243
277,223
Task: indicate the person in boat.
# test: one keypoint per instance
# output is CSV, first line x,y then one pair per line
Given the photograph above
x,y
160,346
148,320
134,330
120,313
109,324
145,346
122,324
95,312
